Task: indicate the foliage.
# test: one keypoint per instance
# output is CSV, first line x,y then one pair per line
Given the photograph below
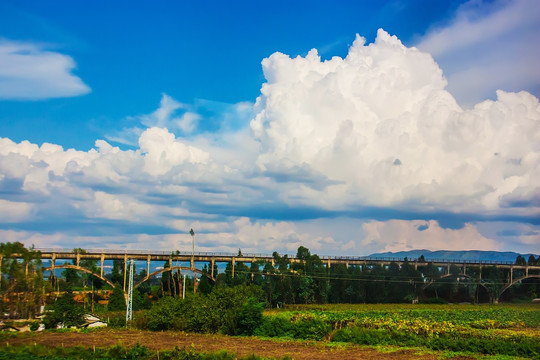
x,y
116,352
117,301
64,311
232,311
22,285
164,314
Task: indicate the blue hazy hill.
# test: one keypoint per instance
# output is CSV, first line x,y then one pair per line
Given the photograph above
x,y
455,255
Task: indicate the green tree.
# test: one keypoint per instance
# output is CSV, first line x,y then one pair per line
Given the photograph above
x,y
117,301
64,311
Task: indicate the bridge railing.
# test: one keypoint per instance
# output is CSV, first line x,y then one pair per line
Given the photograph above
x,y
267,256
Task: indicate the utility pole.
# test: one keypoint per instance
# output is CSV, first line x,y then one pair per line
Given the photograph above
x,y
192,233
129,308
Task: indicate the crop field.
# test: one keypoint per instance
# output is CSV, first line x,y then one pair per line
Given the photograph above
x,y
512,330
384,331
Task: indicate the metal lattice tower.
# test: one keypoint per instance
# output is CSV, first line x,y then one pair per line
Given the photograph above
x,y
129,308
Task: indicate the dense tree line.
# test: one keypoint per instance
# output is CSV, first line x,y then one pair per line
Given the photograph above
x,y
309,280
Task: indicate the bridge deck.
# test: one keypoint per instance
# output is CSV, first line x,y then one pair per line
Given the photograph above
x,y
153,255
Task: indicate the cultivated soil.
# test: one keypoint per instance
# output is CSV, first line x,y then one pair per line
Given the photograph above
x,y
241,346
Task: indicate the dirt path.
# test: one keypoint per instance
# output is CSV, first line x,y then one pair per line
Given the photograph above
x,y
209,343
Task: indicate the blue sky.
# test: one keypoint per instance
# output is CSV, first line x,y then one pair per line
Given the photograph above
x,y
219,116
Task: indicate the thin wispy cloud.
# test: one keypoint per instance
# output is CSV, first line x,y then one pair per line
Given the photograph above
x,y
488,46
29,71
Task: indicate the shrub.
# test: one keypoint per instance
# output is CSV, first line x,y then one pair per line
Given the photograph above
x,y
117,301
250,317
66,311
164,314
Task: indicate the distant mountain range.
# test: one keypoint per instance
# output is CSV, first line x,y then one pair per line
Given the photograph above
x,y
455,255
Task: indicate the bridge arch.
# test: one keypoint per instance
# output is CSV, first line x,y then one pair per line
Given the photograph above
x,y
457,276
80,268
160,271
509,285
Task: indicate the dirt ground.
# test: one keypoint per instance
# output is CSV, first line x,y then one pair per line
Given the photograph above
x,y
241,346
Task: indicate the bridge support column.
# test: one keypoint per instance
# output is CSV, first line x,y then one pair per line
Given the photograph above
x,y
480,276
147,266
447,269
101,265
125,271
212,268
233,262
526,271
328,264
464,269
78,257
511,274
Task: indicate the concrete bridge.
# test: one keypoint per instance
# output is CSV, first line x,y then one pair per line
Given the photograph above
x,y
211,258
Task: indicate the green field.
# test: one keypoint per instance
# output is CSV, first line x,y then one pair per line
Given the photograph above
x,y
512,330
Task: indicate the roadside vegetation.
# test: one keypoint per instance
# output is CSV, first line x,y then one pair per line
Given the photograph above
x,y
119,352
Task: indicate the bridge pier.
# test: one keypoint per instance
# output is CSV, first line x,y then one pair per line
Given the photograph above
x,y
125,271
233,262
102,257
147,265
511,274
212,267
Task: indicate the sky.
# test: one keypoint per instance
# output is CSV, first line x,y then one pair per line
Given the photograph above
x,y
347,127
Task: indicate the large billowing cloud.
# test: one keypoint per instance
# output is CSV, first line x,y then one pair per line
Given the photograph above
x,y
29,72
373,136
381,128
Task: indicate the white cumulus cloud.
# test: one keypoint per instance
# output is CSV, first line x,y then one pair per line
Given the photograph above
x,y
380,125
